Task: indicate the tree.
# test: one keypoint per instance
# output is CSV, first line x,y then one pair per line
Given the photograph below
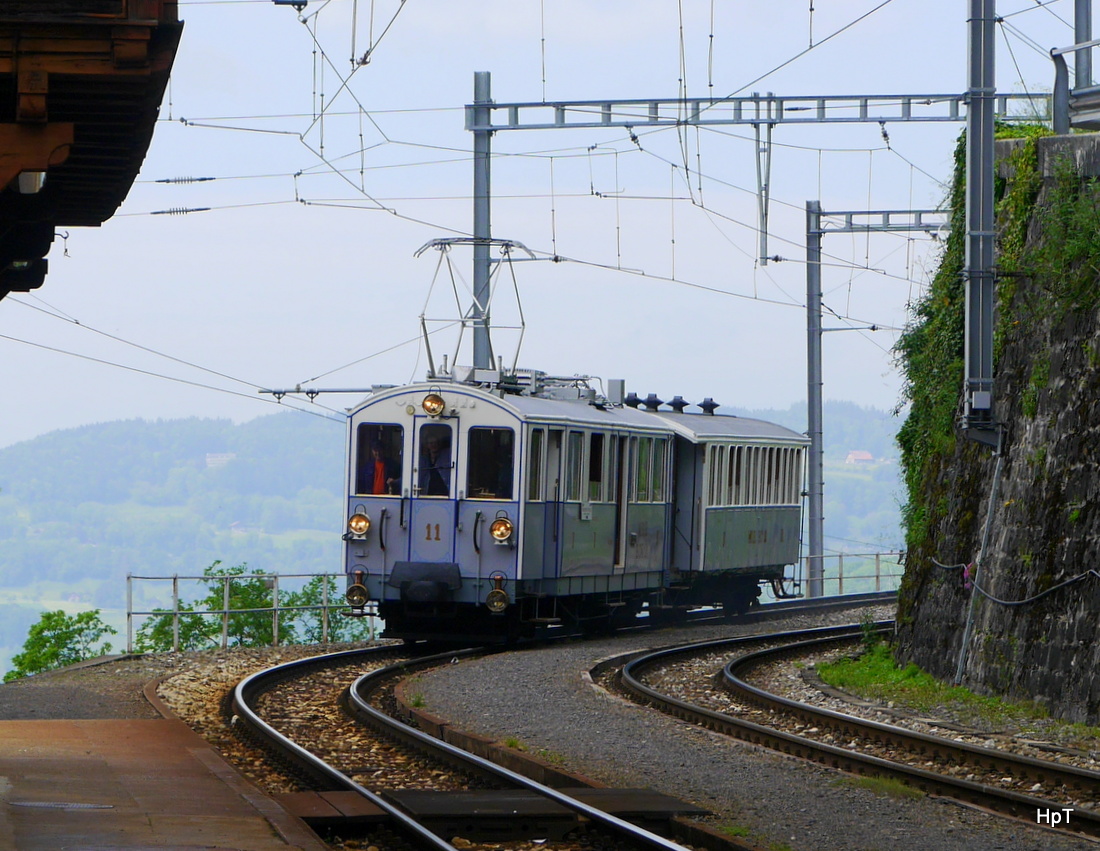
x,y
196,631
58,640
247,628
308,624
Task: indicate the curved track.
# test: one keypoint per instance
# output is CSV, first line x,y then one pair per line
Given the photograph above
x,y
1049,775
359,700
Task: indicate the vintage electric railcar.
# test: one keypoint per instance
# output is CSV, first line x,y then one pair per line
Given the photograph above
x,y
487,505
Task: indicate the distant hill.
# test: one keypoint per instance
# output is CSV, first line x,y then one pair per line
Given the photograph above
x,y
847,427
81,508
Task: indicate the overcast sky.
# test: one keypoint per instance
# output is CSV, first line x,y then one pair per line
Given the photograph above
x,y
303,269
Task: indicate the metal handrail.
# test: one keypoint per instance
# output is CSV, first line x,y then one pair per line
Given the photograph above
x,y
271,579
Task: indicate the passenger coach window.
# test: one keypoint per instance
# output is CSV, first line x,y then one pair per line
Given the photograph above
x,y
378,459
489,463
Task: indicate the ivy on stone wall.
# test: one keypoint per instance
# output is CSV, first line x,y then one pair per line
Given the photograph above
x,y
930,356
930,353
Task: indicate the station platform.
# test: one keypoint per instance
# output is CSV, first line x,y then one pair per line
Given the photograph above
x,y
148,784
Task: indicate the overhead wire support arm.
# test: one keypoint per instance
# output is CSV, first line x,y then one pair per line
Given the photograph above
x,y
755,109
312,392
879,221
764,112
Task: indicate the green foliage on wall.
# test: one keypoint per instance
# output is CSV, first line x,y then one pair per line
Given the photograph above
x,y
930,357
931,352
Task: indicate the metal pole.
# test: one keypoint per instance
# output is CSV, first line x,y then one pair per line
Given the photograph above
x,y
980,285
275,611
225,612
1082,29
816,520
175,612
129,613
483,352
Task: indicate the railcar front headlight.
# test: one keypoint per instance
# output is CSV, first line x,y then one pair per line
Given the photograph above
x,y
496,601
433,404
356,596
501,529
358,523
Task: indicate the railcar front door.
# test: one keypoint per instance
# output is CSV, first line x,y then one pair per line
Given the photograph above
x,y
432,510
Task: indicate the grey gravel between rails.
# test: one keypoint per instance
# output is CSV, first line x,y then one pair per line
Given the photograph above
x,y
544,700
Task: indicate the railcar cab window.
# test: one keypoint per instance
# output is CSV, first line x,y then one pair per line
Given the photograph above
x,y
378,459
490,455
435,465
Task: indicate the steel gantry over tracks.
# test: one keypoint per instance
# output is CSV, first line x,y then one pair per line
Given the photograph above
x,y
81,82
980,107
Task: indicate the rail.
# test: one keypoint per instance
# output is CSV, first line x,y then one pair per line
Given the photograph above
x,y
283,600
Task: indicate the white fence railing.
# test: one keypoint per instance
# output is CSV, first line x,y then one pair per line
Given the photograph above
x,y
842,573
858,573
171,605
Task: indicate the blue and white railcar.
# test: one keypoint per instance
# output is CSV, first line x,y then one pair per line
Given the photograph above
x,y
484,509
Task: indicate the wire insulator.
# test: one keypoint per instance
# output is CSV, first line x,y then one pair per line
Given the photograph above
x,y
179,211
183,179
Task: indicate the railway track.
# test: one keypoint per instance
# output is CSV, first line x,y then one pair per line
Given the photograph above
x,y
1017,786
468,794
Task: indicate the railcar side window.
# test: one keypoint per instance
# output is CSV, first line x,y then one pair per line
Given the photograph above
x,y
612,481
595,468
534,466
648,460
489,463
644,445
574,466
657,490
378,459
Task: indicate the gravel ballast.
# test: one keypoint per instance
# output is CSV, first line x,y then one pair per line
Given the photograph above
x,y
544,701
